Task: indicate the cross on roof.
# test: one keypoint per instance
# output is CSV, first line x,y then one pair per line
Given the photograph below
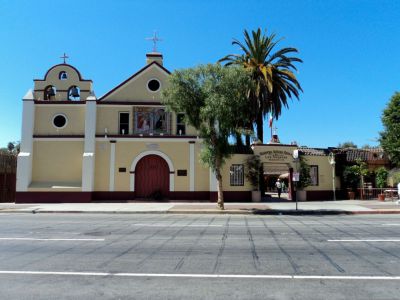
x,y
64,57
155,39
275,130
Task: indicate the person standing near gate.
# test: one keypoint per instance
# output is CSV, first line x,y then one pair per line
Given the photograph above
x,y
278,185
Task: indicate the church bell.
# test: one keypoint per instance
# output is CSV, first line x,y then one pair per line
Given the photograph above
x,y
51,92
74,92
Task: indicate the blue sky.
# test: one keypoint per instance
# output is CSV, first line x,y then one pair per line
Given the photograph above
x,y
350,51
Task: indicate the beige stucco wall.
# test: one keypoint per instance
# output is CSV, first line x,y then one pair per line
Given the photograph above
x,y
57,161
108,117
202,173
44,115
136,89
235,159
324,172
62,86
102,166
126,152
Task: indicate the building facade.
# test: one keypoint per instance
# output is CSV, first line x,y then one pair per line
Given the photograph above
x,y
125,145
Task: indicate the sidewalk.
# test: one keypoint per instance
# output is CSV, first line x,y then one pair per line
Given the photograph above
x,y
277,208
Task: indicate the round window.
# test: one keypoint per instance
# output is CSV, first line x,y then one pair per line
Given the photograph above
x,y
154,85
59,121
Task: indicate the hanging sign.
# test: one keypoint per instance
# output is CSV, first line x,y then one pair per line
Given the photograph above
x,y
296,176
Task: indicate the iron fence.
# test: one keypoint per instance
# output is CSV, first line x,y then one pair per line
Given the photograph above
x,y
8,169
373,193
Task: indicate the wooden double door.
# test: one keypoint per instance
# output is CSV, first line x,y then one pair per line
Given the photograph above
x,y
152,178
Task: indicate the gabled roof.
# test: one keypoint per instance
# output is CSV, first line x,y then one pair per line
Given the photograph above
x,y
353,154
133,76
313,151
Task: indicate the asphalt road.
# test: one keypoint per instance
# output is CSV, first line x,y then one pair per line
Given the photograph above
x,y
165,256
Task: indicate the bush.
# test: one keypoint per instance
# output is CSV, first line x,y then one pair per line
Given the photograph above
x,y
351,176
381,177
305,178
254,166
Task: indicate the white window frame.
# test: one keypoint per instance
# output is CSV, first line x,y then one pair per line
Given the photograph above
x,y
314,175
119,121
236,172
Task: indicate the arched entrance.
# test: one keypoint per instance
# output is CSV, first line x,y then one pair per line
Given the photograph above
x,y
273,172
152,177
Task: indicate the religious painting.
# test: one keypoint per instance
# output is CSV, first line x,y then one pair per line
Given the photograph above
x,y
160,121
151,121
143,122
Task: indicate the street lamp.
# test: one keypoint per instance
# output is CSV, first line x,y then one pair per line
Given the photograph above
x,y
332,162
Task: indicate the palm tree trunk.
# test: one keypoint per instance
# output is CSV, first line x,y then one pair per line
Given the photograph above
x,y
239,141
260,129
250,127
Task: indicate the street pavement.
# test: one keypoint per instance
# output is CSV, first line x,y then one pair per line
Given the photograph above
x,y
284,207
199,256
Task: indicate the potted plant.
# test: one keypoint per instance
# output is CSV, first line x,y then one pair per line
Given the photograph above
x,y
304,179
380,180
253,171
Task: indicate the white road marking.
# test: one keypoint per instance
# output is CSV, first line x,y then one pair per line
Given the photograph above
x,y
172,275
175,225
194,225
364,240
391,224
39,239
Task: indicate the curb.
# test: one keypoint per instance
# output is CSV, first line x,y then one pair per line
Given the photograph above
x,y
223,212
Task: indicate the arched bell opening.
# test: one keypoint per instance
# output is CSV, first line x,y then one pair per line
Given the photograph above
x,y
50,93
74,93
63,75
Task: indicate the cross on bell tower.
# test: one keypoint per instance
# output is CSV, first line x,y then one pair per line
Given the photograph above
x,y
155,39
64,57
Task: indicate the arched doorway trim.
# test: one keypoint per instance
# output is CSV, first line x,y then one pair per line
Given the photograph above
x,y
153,152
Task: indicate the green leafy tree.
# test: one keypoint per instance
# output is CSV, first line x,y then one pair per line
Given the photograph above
x,y
253,171
12,148
353,176
213,99
304,174
390,136
347,144
272,75
381,177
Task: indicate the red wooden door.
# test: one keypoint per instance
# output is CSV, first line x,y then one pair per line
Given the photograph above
x,y
151,177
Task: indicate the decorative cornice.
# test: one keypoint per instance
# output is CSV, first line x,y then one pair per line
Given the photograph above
x,y
66,65
128,103
59,102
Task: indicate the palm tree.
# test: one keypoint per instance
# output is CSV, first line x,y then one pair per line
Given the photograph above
x,y
274,81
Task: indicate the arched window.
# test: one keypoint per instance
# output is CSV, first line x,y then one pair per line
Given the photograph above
x,y
50,93
74,93
63,75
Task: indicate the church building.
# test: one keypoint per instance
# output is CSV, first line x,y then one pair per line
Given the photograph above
x,y
125,145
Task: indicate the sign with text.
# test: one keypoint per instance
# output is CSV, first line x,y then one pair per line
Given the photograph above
x,y
296,176
277,155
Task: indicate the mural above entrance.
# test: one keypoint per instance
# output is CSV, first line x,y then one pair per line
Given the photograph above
x,y
152,120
